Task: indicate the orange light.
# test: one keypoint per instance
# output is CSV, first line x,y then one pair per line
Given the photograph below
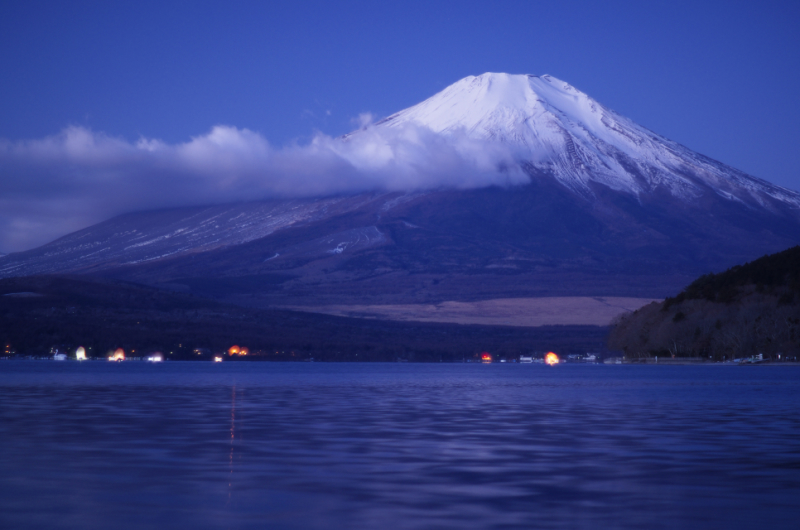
x,y
243,351
233,350
551,358
486,357
119,355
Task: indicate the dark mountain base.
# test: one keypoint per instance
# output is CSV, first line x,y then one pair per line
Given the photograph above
x,y
404,288
37,313
524,241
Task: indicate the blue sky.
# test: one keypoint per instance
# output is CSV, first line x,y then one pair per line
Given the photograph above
x,y
722,78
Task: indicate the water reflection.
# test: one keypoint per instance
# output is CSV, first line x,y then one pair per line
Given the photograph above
x,y
397,446
233,437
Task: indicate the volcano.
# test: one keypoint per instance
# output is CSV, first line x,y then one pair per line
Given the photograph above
x,y
556,131
593,205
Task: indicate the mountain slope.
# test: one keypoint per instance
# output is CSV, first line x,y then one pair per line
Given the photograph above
x,y
610,209
147,236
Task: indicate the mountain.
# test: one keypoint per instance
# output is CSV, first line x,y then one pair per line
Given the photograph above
x,y
607,208
558,131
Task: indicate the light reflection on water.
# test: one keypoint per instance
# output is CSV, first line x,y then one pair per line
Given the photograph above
x,y
406,446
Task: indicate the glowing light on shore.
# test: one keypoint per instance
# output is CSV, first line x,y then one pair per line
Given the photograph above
x,y
233,350
155,357
486,357
551,358
119,355
243,351
217,359
80,353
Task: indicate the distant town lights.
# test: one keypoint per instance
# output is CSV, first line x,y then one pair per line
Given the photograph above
x,y
236,350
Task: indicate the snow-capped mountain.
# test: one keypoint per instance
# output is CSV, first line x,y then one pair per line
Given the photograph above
x,y
555,129
607,208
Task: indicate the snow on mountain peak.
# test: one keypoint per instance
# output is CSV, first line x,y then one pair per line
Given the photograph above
x,y
557,130
503,107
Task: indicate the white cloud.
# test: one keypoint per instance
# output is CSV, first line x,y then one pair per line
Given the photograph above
x,y
54,185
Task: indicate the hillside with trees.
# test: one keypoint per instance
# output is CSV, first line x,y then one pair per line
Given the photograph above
x,y
748,309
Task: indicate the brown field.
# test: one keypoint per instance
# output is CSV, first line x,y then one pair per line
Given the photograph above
x,y
524,312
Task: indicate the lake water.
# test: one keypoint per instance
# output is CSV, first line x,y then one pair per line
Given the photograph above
x,y
397,446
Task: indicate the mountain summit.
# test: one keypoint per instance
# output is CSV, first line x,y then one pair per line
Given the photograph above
x,y
555,129
605,208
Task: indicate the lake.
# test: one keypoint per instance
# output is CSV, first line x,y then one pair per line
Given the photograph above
x,y
397,446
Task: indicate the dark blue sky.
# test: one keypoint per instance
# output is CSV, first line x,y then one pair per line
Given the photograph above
x,y
722,78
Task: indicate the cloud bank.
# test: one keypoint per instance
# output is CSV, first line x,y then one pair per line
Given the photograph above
x,y
52,186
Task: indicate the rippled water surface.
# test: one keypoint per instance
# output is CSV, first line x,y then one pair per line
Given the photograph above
x,y
397,446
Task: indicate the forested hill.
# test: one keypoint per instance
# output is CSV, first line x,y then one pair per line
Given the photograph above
x,y
772,273
748,309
